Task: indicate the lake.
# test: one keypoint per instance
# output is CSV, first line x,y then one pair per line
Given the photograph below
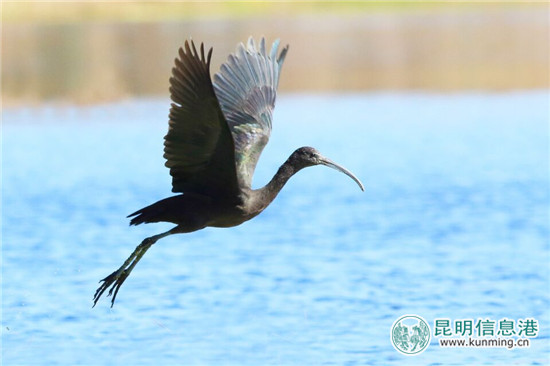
x,y
453,224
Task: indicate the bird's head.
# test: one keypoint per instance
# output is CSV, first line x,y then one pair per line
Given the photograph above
x,y
308,156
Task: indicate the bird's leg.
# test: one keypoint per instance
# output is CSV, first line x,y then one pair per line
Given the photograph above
x,y
117,278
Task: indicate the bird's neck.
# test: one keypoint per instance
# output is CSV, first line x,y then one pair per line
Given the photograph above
x,y
264,196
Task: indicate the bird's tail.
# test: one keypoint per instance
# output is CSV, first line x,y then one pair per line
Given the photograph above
x,y
167,210
139,217
185,209
149,214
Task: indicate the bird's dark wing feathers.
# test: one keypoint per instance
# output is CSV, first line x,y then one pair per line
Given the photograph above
x,y
198,148
246,87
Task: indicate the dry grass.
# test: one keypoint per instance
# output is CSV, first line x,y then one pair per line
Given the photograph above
x,y
138,11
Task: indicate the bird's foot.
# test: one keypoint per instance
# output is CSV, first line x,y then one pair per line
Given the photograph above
x,y
117,278
114,281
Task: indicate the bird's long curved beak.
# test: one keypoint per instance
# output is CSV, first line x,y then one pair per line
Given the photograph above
x,y
333,165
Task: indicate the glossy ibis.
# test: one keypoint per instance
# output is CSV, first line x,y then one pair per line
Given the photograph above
x,y
217,131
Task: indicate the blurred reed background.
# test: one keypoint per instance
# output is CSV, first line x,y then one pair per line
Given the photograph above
x,y
90,52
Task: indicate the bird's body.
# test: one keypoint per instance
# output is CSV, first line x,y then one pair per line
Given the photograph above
x,y
217,131
191,210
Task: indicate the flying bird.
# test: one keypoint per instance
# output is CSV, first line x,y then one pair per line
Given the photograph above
x,y
217,131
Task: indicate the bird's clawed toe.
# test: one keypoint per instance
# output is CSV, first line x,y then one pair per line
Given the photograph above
x,y
117,278
113,283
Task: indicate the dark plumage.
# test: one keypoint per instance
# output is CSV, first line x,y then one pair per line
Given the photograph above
x,y
217,131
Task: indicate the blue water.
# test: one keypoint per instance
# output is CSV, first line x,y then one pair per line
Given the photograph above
x,y
454,223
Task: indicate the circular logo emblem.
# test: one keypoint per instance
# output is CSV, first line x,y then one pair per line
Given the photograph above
x,y
410,335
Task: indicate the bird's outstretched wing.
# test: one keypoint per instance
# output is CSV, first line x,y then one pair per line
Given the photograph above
x,y
198,148
246,87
